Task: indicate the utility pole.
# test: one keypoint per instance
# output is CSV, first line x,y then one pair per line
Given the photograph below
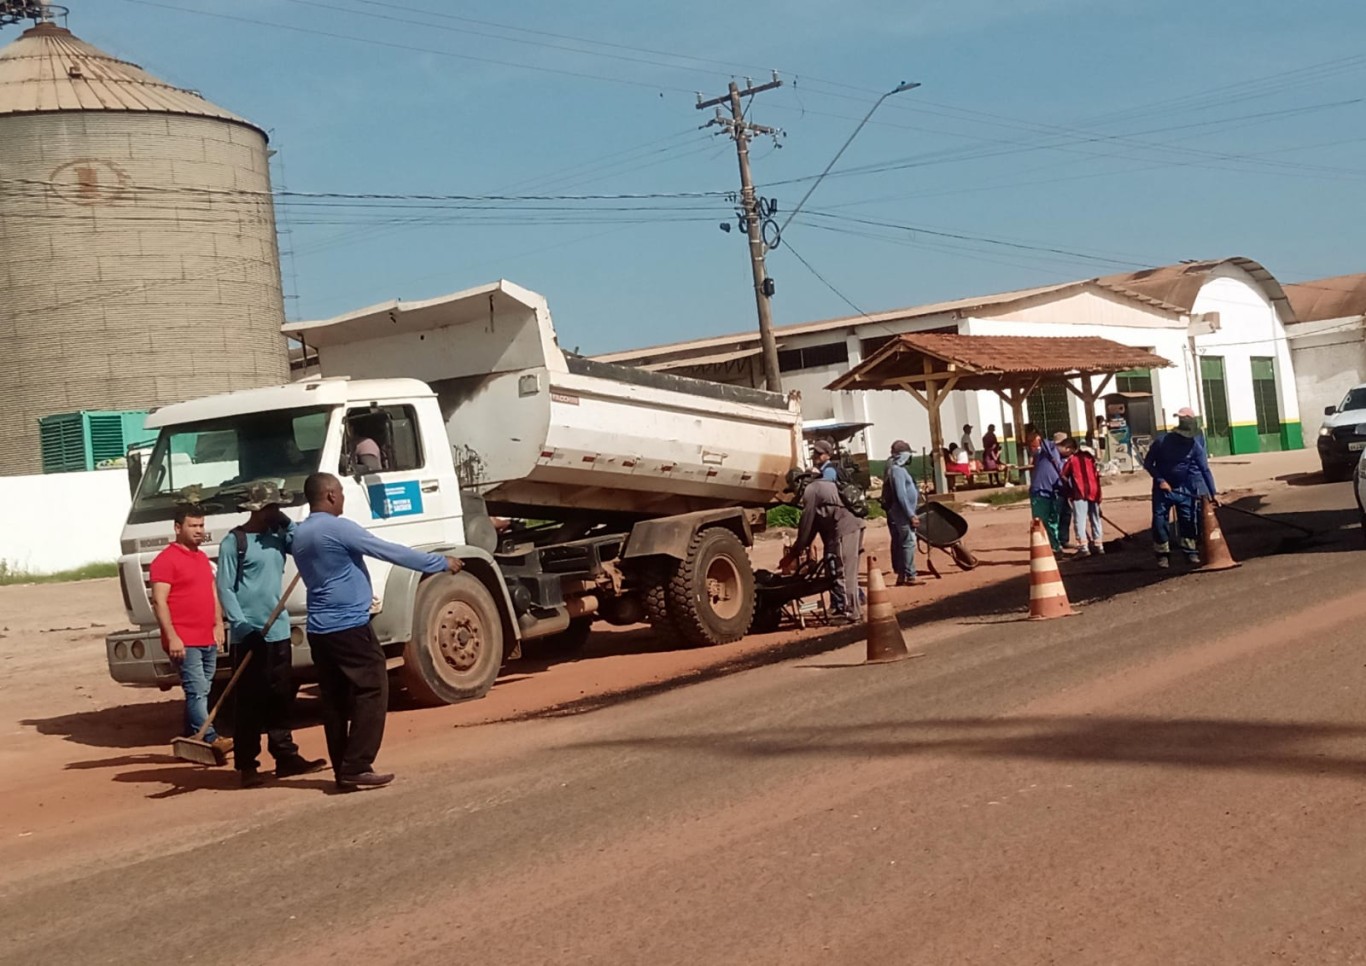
x,y
742,131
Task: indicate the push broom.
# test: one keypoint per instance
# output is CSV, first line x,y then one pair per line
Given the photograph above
x,y
195,748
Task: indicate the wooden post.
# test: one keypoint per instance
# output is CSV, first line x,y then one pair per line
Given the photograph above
x,y
935,397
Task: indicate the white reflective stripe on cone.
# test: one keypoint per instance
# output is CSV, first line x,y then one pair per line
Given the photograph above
x,y
1043,591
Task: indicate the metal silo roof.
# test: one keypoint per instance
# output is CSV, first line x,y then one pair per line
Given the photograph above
x,y
49,69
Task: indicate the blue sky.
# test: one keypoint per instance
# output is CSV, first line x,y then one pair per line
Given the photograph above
x,y
1051,140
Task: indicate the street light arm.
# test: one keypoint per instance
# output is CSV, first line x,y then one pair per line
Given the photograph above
x,y
903,86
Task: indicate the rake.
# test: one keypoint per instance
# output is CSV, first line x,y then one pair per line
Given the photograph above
x,y
195,748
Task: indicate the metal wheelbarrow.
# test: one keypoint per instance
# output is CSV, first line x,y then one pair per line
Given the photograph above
x,y
781,596
943,529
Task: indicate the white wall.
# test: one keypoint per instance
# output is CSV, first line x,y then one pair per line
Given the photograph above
x,y
62,520
1249,327
1329,358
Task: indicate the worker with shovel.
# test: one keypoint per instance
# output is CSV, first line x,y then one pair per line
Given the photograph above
x,y
251,565
1179,466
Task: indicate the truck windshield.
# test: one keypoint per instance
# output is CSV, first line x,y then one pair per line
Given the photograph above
x,y
211,463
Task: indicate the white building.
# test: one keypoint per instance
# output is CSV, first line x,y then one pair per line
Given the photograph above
x,y
1327,340
1222,324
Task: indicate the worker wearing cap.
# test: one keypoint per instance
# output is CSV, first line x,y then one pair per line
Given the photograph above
x,y
823,456
251,566
841,533
1179,466
901,500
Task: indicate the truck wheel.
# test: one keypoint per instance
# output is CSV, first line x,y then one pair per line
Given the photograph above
x,y
457,645
711,596
655,594
566,644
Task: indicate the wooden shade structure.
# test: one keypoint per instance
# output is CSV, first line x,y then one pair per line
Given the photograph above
x,y
930,365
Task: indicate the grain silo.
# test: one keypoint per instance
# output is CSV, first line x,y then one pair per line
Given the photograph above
x,y
138,257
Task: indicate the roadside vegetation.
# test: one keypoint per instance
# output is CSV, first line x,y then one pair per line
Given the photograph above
x,y
12,575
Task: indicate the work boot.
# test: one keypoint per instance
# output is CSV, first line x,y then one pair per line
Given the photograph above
x,y
1163,561
251,778
1193,559
222,747
298,765
1098,549
363,781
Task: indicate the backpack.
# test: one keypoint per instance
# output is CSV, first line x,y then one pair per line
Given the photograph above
x,y
241,534
851,494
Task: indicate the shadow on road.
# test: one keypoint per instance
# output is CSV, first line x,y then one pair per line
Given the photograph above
x,y
1300,748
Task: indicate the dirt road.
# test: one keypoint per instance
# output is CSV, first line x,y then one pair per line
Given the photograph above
x,y
1174,776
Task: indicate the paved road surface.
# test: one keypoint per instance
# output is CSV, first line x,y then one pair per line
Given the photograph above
x,y
1176,776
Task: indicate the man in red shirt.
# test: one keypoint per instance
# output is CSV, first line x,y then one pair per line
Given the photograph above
x,y
185,599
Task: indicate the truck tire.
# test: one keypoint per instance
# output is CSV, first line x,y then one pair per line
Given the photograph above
x,y
711,595
457,645
655,594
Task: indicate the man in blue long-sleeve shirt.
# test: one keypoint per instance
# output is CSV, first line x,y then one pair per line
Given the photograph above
x,y
329,552
901,500
1045,486
1179,466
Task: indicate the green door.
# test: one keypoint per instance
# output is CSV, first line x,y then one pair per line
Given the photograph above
x,y
1266,399
1214,388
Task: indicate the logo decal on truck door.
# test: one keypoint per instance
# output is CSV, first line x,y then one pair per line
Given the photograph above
x,y
388,500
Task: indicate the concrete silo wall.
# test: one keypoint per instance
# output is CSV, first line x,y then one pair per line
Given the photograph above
x,y
138,266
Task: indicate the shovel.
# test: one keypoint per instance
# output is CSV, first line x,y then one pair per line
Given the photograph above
x,y
195,748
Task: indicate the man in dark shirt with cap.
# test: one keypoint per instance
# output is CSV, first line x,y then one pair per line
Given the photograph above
x,y
841,533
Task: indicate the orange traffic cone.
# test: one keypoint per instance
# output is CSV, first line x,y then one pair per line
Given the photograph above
x,y
1047,595
885,643
1213,549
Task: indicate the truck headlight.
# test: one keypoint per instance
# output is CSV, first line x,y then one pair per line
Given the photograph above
x,y
1325,431
121,651
139,650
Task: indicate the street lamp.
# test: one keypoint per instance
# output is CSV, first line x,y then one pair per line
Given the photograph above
x,y
903,86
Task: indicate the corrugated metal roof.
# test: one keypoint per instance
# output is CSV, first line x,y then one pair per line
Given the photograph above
x,y
48,69
1339,297
984,362
1176,286
717,358
637,356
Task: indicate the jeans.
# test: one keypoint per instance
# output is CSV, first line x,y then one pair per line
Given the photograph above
x,y
1064,520
1047,509
263,700
196,674
1187,506
1084,512
355,692
846,597
903,548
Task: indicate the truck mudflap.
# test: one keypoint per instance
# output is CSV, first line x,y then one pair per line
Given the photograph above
x,y
672,536
394,624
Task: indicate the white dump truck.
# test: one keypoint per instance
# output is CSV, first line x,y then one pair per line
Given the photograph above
x,y
619,495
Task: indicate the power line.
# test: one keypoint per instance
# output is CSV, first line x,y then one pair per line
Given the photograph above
x,y
411,48
826,282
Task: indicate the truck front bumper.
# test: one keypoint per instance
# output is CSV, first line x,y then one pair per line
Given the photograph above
x,y
136,657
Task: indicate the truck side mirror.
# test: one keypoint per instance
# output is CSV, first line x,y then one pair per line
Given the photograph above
x,y
1330,410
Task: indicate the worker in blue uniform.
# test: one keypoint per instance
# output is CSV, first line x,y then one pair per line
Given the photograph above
x,y
1179,466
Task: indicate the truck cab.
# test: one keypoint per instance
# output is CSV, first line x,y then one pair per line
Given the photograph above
x,y
209,450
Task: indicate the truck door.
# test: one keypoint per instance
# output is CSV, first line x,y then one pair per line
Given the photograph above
x,y
395,485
